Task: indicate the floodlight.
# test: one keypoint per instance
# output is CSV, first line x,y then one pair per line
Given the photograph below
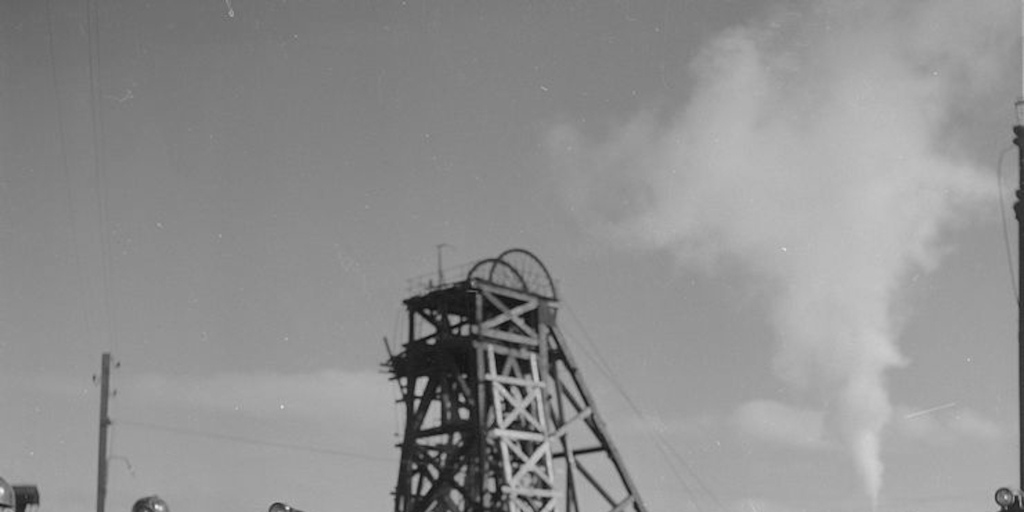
x,y
1006,498
277,506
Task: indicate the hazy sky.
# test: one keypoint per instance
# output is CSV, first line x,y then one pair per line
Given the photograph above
x,y
777,223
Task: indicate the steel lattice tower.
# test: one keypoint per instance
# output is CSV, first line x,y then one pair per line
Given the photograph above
x,y
497,416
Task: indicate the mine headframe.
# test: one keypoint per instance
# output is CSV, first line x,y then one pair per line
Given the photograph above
x,y
497,416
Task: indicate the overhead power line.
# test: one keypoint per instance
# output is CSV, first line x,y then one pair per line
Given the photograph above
x,y
92,15
250,441
667,449
1006,229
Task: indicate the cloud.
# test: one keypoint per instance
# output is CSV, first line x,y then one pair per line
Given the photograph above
x,y
781,424
816,152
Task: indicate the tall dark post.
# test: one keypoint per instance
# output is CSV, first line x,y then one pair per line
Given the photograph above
x,y
1018,131
101,471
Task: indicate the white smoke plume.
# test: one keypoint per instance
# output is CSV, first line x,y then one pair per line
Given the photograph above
x,y
816,151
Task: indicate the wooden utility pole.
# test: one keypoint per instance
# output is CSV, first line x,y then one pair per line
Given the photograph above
x,y
101,470
1012,500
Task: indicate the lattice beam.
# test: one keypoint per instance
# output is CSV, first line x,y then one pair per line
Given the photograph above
x,y
498,418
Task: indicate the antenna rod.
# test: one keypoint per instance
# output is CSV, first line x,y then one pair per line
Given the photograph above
x,y
440,267
101,471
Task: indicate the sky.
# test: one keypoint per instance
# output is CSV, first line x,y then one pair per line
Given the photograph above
x,y
780,229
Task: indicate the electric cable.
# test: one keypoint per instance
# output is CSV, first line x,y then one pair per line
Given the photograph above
x,y
664,447
250,441
602,367
396,326
1006,230
99,172
661,443
398,391
66,168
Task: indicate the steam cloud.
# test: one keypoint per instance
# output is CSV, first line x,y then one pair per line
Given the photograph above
x,y
814,150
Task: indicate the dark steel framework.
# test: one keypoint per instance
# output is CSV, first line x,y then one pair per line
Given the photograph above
x,y
497,416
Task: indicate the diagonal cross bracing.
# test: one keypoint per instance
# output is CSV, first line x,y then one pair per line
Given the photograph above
x,y
498,417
